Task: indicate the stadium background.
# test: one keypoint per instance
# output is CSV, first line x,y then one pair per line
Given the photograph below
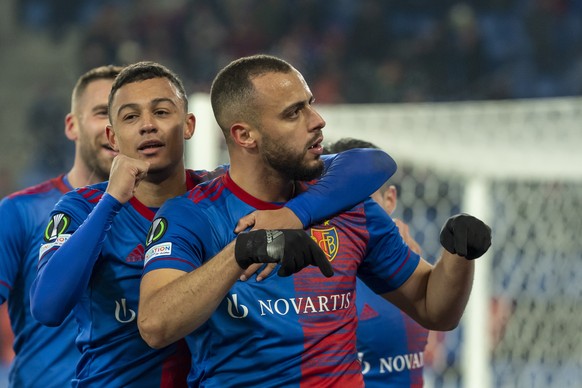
x,y
478,101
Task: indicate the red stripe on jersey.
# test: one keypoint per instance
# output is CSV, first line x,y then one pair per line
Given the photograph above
x,y
196,177
91,195
329,325
329,321
142,209
400,266
60,184
246,197
176,367
193,179
3,283
416,337
44,187
212,190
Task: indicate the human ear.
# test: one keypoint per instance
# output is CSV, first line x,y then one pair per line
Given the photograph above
x,y
71,131
243,135
111,137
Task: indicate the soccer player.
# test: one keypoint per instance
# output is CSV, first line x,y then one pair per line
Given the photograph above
x,y
391,357
92,259
46,357
298,325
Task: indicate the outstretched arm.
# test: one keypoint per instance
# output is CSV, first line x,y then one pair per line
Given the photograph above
x,y
173,303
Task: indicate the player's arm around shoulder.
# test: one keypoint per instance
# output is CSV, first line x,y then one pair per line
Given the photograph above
x,y
174,303
179,292
436,296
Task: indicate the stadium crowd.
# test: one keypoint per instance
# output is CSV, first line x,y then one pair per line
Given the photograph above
x,y
351,51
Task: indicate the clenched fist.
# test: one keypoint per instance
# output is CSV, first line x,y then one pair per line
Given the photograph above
x,y
126,174
466,236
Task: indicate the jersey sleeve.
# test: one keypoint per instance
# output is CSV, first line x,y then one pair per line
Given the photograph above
x,y
349,177
73,240
172,242
389,262
13,247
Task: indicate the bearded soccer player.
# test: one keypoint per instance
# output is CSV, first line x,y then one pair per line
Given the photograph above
x,y
46,357
92,259
297,326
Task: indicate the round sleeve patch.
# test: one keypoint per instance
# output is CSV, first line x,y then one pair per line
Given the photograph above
x,y
157,230
57,225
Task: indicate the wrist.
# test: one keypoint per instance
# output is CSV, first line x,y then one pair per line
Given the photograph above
x,y
242,246
302,215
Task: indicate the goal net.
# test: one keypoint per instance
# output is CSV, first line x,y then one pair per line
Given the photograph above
x,y
518,166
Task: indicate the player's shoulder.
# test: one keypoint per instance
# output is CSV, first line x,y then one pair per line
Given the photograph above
x,y
196,177
40,190
91,193
366,215
206,192
85,197
182,210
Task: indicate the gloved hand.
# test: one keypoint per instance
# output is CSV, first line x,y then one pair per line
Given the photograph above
x,y
293,248
466,236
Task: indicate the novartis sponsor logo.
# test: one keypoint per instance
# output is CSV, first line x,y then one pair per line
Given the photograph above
x,y
393,364
284,306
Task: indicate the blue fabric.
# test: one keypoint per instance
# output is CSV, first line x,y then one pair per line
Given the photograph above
x,y
50,308
391,357
92,263
44,356
280,331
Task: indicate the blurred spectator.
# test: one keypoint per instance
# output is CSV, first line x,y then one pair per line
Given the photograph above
x,y
49,154
359,51
7,184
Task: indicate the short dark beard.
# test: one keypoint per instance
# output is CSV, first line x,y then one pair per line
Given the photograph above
x,y
291,166
95,164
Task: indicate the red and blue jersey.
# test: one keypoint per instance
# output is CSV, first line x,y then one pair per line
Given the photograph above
x,y
390,358
44,356
282,331
113,353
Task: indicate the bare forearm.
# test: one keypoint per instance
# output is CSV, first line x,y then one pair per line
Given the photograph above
x,y
448,289
436,297
185,303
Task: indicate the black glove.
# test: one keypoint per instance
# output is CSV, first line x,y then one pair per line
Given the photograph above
x,y
466,236
293,248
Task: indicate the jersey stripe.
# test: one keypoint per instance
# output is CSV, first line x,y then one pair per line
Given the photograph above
x,y
45,187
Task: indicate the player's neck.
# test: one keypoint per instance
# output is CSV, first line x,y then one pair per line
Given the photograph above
x,y
80,176
263,183
157,188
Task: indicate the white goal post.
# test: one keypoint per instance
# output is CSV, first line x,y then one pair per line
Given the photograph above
x,y
518,166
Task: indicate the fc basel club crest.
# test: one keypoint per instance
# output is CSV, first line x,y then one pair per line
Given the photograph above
x,y
157,230
56,226
328,241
